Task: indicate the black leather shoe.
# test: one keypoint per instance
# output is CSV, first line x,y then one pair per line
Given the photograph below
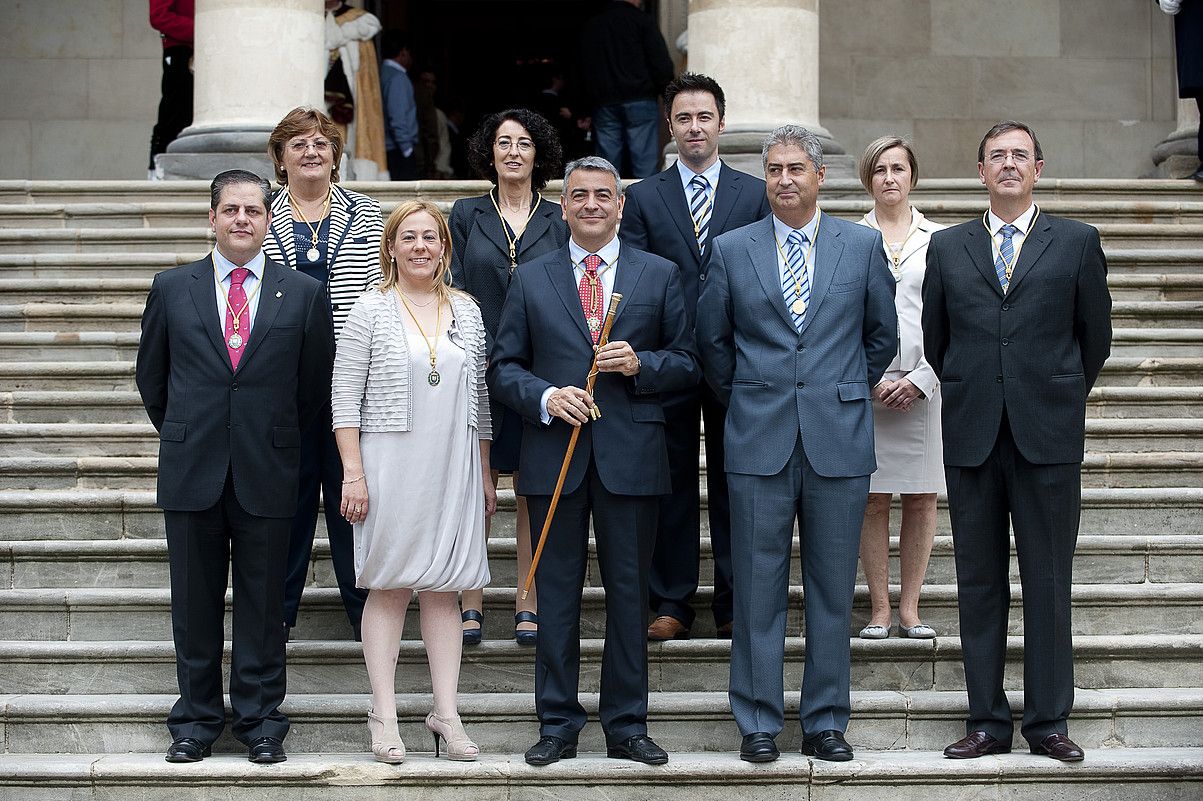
x,y
640,748
267,750
187,749
976,744
758,746
549,749
1059,747
829,745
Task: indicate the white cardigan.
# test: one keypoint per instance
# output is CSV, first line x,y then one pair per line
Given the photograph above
x,y
909,300
371,386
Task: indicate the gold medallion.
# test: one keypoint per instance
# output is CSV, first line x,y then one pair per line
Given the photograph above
x,y
798,306
594,324
312,254
234,340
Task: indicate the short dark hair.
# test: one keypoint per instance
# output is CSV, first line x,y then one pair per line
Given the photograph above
x,y
232,177
694,82
1000,129
393,42
548,153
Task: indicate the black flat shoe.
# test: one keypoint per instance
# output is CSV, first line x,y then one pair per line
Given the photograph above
x,y
758,746
472,636
529,638
549,749
640,748
829,745
187,749
266,750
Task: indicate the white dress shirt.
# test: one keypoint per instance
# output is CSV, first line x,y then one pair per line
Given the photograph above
x,y
782,232
221,284
1022,222
605,273
710,174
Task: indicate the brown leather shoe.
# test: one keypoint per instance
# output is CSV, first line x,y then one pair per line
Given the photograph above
x,y
667,627
1059,747
976,744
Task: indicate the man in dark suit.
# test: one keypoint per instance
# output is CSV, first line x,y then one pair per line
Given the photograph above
x,y
1016,325
796,322
229,403
550,326
676,214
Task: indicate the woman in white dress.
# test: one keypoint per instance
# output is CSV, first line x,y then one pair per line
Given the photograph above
x,y
906,408
411,417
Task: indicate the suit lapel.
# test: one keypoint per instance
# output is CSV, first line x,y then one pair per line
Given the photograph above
x,y
560,273
281,230
729,188
977,242
762,251
268,308
341,214
673,194
828,249
537,227
204,297
1033,247
628,271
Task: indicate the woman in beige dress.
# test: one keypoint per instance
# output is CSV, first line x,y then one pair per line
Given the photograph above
x,y
411,416
906,407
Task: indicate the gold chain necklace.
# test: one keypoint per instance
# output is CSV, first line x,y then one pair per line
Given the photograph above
x,y
895,255
1009,267
433,378
593,307
235,340
313,254
799,305
505,228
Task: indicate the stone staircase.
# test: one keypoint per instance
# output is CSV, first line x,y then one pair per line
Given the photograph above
x,y
86,663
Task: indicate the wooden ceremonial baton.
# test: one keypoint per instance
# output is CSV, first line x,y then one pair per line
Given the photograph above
x,y
615,299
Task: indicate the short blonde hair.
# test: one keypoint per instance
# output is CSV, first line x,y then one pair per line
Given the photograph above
x,y
873,152
298,122
388,265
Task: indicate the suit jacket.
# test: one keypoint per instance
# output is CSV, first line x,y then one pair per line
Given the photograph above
x,y
656,219
778,382
353,255
1035,351
543,342
908,298
212,419
480,253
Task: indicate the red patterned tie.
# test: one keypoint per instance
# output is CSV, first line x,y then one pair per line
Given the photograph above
x,y
237,303
591,295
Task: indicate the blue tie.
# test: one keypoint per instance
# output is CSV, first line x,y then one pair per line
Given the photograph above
x,y
794,277
699,208
1006,254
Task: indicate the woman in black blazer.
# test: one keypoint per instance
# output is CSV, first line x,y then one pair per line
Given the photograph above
x,y
492,236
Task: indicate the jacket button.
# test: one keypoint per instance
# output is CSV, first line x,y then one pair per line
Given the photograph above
x,y
801,348
998,379
1006,307
1006,342
800,385
234,386
334,306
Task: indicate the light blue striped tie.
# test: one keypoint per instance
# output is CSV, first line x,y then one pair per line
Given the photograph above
x,y
1006,253
794,277
700,207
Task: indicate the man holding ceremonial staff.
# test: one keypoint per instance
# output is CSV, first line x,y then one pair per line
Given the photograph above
x,y
547,339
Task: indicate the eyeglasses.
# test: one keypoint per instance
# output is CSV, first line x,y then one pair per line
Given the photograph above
x,y
524,145
1017,156
301,146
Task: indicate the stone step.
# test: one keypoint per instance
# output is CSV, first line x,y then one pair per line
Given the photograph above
x,y
1154,286
138,563
1138,342
123,613
1108,774
105,514
78,406
70,346
1154,371
1103,435
1105,190
1158,313
197,238
71,317
505,723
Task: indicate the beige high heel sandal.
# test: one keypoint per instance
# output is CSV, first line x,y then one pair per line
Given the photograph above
x,y
391,752
451,731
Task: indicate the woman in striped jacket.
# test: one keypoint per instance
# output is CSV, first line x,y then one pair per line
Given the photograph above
x,y
333,235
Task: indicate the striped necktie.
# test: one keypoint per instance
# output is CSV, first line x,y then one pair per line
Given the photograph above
x,y
699,208
1006,255
795,283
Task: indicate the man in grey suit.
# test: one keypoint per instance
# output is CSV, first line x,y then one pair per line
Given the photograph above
x,y
1016,325
795,324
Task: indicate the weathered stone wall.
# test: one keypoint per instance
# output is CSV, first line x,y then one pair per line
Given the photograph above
x,y
80,81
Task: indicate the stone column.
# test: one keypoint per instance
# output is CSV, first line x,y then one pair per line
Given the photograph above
x,y
255,61
1177,155
765,55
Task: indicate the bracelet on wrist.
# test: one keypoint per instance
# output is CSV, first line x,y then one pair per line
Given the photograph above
x,y
357,478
